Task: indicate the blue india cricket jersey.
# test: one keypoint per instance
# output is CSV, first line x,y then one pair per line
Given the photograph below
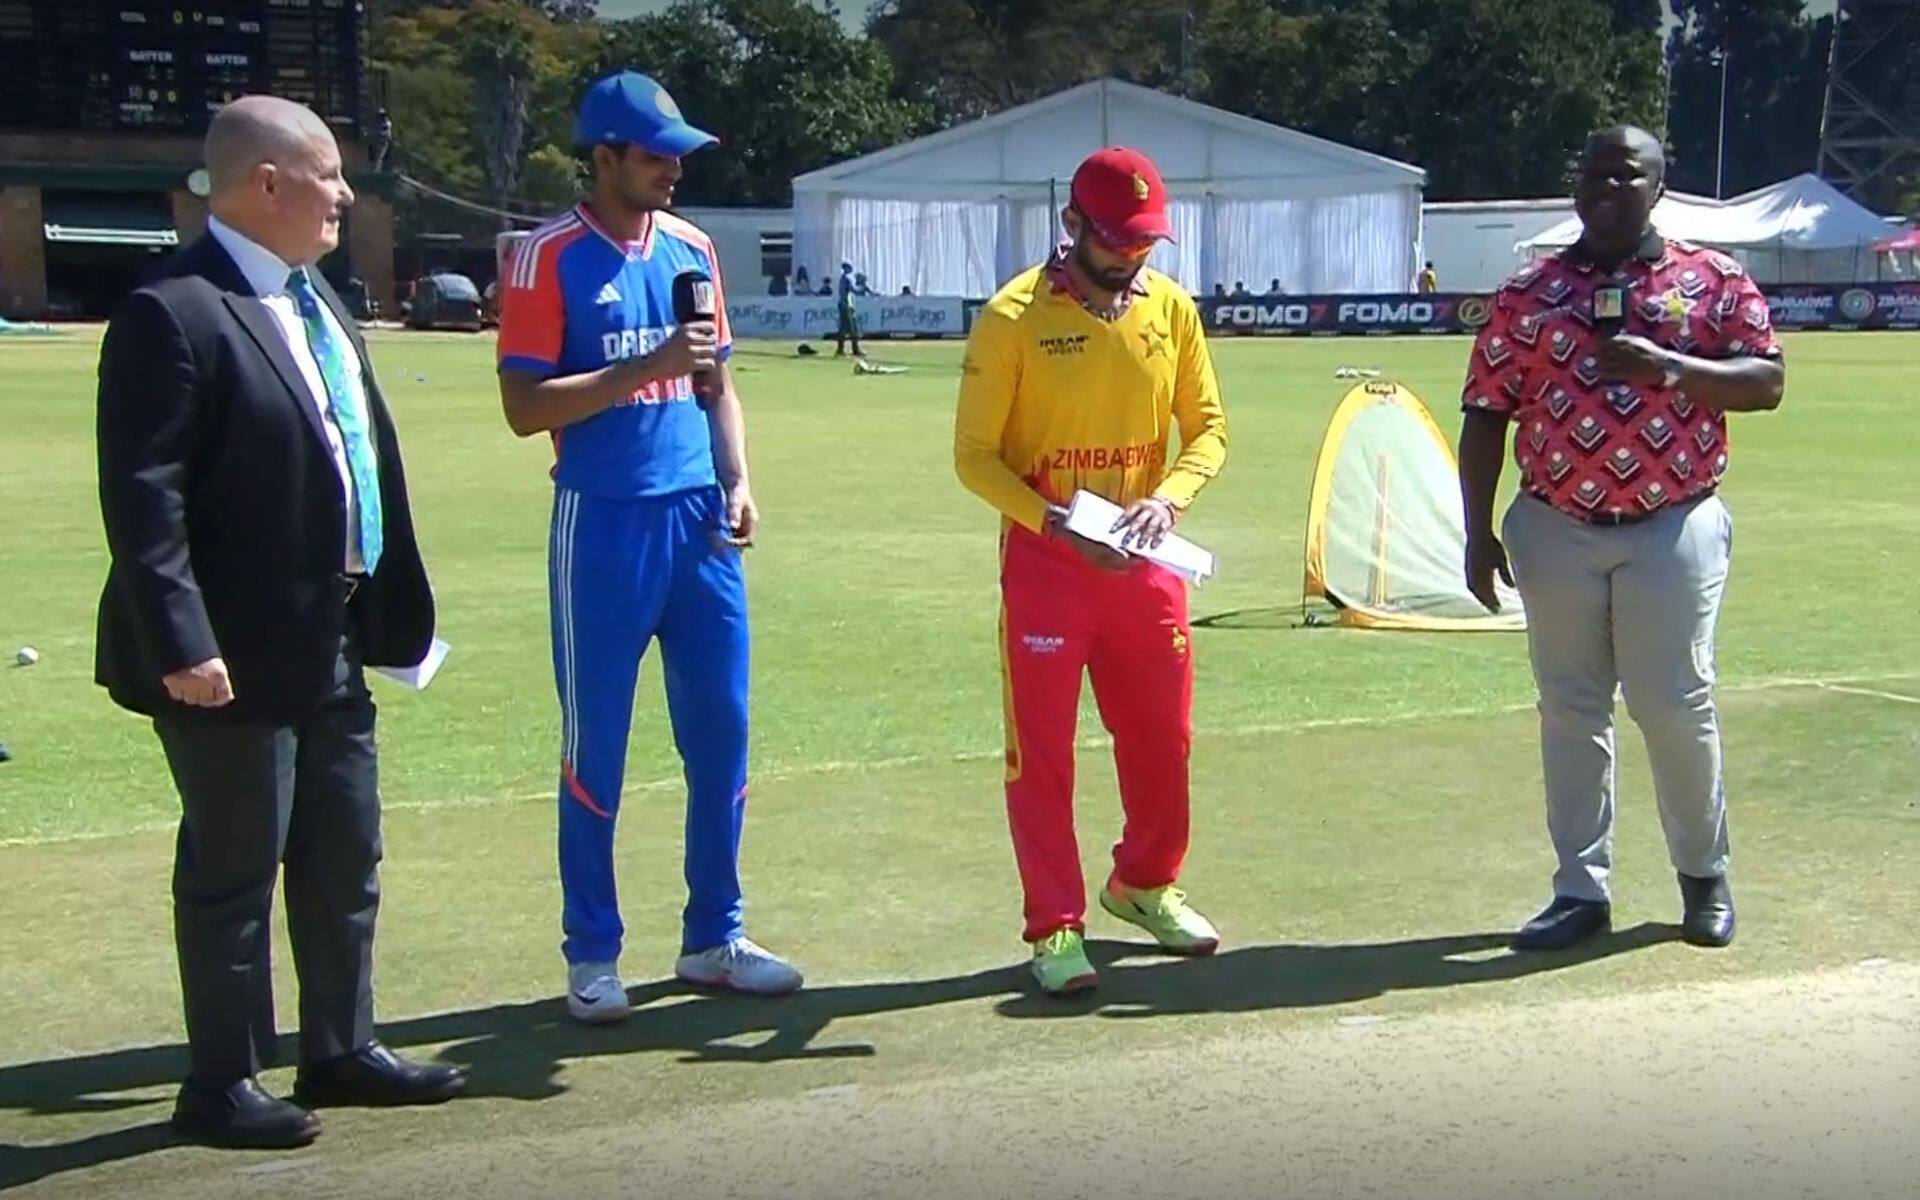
x,y
575,299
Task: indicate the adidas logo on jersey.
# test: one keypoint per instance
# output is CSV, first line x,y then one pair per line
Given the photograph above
x,y
608,294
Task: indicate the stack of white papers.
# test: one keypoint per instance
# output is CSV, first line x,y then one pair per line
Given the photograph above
x,y
421,674
1092,517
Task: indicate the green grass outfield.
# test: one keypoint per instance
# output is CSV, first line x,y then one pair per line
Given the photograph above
x,y
1360,797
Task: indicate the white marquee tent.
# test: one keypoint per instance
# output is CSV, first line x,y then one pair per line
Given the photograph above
x,y
961,211
1800,230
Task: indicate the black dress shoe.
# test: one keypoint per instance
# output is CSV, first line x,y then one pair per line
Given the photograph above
x,y
1707,911
1564,923
242,1116
375,1077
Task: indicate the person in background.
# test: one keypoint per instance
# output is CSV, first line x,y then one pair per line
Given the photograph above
x,y
1240,291
1617,361
381,143
849,328
860,287
906,289
1273,288
1429,280
1075,376
802,285
1219,291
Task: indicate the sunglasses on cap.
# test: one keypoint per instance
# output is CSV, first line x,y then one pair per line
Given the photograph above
x,y
1092,233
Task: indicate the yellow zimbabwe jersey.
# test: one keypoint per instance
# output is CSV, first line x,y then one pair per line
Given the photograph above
x,y
1054,399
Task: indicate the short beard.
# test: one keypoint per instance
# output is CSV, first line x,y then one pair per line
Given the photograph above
x,y
634,200
1115,280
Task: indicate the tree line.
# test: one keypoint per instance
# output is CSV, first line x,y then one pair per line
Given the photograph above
x,y
1491,97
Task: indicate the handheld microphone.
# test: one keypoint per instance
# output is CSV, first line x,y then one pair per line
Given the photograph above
x,y
1610,306
693,300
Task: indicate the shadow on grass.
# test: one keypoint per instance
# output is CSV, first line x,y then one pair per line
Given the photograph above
x,y
1286,616
517,1051
1258,978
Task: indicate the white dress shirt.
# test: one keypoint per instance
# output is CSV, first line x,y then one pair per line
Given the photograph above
x,y
267,275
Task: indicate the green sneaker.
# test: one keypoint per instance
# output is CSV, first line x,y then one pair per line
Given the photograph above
x,y
1164,913
1060,963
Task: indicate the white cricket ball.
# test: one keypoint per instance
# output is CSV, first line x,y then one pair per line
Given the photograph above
x,y
26,656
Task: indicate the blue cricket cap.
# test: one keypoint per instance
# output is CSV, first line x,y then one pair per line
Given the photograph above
x,y
630,107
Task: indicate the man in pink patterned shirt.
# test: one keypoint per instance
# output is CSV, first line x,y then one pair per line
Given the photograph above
x,y
1617,362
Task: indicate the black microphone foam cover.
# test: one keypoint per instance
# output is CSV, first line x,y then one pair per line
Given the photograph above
x,y
693,298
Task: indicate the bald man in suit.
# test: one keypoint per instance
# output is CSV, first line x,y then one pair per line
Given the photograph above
x,y
262,554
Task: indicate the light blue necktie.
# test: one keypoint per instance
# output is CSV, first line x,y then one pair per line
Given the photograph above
x,y
347,414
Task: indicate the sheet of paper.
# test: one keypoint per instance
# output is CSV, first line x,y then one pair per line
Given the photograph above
x,y
419,676
1092,517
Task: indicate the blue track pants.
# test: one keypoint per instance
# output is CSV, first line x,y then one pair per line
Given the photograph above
x,y
623,572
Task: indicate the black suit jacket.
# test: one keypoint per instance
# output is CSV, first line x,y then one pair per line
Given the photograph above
x,y
225,515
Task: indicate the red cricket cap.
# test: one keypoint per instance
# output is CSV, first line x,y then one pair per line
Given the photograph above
x,y
1121,193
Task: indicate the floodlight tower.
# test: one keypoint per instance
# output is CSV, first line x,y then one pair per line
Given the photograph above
x,y
1870,125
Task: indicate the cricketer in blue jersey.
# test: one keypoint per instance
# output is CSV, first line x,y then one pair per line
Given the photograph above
x,y
651,509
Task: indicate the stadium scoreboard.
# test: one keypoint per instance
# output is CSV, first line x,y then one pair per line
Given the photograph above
x,y
166,65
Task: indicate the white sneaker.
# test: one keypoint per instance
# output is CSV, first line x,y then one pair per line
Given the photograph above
x,y
595,995
742,965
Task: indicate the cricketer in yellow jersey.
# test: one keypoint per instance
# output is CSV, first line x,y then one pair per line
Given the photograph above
x,y
1076,375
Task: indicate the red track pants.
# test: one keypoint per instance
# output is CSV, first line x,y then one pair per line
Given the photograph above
x,y
1128,629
